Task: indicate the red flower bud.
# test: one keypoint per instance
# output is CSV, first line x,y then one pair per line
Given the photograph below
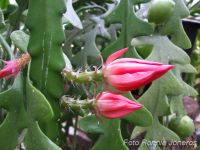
x,y
113,106
13,67
128,74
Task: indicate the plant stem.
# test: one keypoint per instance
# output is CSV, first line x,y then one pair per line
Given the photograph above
x,y
83,77
77,104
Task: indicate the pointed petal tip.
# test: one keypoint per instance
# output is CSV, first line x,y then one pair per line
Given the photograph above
x,y
172,66
116,55
168,67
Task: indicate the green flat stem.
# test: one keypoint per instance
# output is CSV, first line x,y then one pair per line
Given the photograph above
x,y
83,77
77,104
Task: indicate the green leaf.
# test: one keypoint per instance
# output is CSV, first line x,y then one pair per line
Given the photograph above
x,y
72,16
111,137
157,132
141,117
132,26
137,131
90,124
176,106
46,37
4,4
26,106
89,50
163,49
86,50
174,27
20,40
35,138
169,87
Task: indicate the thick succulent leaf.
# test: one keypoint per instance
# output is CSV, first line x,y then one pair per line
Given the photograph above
x,y
174,27
35,138
71,15
137,131
111,137
4,4
46,37
141,117
20,40
163,49
92,27
24,110
166,89
132,26
176,106
90,124
158,96
89,50
157,132
187,89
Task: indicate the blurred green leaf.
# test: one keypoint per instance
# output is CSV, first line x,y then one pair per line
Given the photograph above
x,y
169,87
26,106
4,4
20,40
72,16
46,37
90,124
132,26
111,136
174,27
141,117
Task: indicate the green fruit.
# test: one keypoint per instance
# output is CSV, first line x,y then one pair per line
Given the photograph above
x,y
160,11
184,126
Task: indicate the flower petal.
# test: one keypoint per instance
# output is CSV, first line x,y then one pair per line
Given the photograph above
x,y
119,113
115,106
134,60
123,68
127,82
116,55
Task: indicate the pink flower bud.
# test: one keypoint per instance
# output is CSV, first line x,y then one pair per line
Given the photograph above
x,y
13,67
128,74
113,106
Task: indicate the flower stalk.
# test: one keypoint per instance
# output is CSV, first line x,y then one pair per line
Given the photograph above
x,y
82,77
105,104
77,105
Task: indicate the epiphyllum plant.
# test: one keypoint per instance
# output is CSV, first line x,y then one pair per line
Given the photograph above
x,y
123,74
